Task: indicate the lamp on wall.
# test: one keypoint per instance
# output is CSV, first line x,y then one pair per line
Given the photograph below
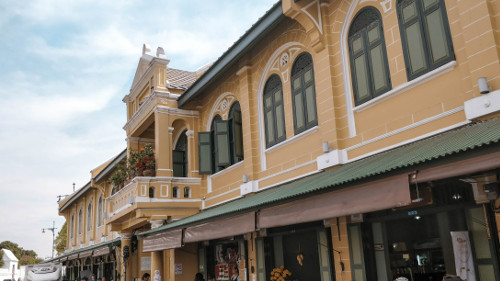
x,y
326,147
482,83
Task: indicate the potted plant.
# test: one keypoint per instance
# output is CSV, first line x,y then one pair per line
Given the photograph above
x,y
143,162
119,176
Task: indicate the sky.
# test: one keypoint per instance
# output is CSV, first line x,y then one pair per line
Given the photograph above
x,y
65,66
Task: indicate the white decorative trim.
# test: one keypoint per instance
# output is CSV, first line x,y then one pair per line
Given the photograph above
x,y
170,130
244,68
293,139
177,136
144,190
483,105
287,170
156,200
168,170
330,159
222,103
319,24
190,134
407,86
284,75
293,48
386,4
249,187
164,190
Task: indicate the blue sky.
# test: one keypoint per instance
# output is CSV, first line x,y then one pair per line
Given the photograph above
x,y
64,68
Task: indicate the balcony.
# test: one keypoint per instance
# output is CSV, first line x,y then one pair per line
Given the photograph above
x,y
153,198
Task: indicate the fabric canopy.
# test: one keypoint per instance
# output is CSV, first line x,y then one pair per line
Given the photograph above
x,y
163,241
221,228
73,257
85,254
101,251
382,194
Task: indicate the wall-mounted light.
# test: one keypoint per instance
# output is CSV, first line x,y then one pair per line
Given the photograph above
x,y
326,147
482,83
245,178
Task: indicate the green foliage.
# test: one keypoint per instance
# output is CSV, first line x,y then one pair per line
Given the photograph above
x,y
1,258
61,239
25,256
119,175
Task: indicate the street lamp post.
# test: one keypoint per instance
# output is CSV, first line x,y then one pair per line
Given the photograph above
x,y
53,228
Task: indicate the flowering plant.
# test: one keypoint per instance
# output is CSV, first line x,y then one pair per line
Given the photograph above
x,y
142,160
280,274
145,164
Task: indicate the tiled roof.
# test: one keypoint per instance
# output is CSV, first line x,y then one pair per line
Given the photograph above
x,y
180,79
463,139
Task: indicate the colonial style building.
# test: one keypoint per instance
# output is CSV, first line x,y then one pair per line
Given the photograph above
x,y
343,140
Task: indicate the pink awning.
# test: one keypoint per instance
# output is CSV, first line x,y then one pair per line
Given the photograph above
x,y
221,228
368,197
162,241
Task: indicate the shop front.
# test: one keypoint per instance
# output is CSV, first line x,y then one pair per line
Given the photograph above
x,y
304,250
444,231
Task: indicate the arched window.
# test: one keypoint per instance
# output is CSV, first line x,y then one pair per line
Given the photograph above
x,y
274,116
72,226
151,192
99,211
369,68
175,192
187,192
89,217
425,35
80,221
236,133
303,94
179,156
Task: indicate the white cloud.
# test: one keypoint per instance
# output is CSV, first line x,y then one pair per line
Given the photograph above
x,y
66,65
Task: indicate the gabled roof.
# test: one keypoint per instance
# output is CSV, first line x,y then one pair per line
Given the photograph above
x,y
260,29
9,255
404,158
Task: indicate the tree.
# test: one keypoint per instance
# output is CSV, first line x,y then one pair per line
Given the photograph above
x,y
25,256
1,258
62,237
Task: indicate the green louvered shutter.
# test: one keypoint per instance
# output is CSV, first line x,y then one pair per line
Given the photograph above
x,y
221,144
205,152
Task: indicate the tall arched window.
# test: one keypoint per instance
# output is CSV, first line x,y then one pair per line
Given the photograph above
x,y
425,35
89,217
274,116
303,94
72,226
236,133
179,156
80,221
99,211
369,68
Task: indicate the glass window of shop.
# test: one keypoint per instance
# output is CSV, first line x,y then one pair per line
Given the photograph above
x,y
302,251
224,260
443,232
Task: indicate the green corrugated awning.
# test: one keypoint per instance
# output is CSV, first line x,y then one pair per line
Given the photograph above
x,y
466,138
116,241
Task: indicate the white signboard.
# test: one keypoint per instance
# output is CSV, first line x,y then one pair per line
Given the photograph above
x,y
463,255
178,268
145,263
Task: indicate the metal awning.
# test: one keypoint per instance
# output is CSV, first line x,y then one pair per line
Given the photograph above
x,y
163,241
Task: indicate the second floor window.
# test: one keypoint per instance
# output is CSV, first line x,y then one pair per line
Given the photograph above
x,y
369,68
223,145
99,212
72,226
425,35
80,221
303,94
89,217
179,156
274,115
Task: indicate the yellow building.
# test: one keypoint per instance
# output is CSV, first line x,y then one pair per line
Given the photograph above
x,y
344,140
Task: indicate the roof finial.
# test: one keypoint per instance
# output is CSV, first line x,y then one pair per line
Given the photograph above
x,y
146,49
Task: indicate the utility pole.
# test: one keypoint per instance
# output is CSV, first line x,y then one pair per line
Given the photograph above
x,y
53,228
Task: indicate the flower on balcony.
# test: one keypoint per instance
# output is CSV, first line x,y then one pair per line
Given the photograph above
x,y
280,274
142,161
